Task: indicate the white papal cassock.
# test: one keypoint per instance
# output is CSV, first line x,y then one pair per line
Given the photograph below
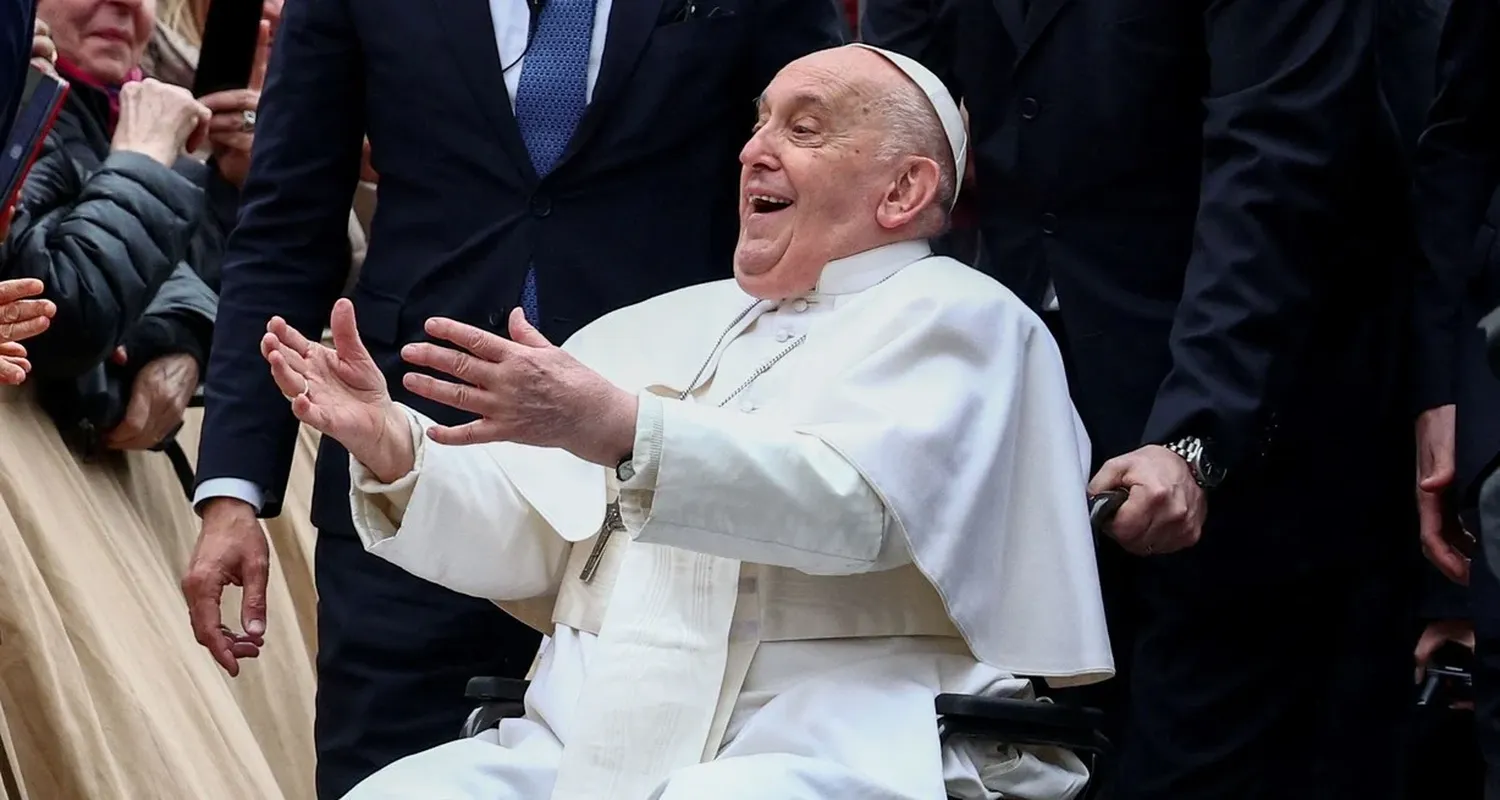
x,y
892,509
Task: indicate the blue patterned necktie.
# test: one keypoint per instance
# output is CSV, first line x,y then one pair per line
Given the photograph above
x,y
552,95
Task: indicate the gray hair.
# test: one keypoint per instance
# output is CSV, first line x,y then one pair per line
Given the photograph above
x,y
915,129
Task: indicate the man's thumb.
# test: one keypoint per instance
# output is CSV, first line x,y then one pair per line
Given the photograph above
x,y
1437,480
522,331
253,604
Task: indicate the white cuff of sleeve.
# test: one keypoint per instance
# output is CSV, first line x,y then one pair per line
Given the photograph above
x,y
378,507
636,493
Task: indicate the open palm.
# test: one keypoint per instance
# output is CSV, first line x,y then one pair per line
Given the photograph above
x,y
337,390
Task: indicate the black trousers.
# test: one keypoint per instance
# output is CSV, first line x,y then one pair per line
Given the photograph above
x,y
1241,687
1247,670
394,655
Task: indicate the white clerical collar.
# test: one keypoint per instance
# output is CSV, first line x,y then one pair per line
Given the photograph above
x,y
861,271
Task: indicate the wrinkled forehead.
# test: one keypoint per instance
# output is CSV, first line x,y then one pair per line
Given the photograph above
x,y
810,86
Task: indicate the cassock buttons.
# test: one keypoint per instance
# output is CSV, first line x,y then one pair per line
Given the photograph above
x,y
783,335
496,318
747,406
799,305
1029,108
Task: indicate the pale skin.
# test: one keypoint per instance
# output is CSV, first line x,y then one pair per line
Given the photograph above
x,y
813,147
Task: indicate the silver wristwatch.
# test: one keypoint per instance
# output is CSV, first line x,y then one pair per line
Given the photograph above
x,y
625,470
1192,450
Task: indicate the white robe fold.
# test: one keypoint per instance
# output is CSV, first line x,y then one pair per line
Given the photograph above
x,y
924,418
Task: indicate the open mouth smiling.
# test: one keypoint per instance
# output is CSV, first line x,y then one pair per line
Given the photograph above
x,y
766,204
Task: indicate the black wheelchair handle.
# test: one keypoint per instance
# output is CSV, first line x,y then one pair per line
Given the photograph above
x,y
1102,508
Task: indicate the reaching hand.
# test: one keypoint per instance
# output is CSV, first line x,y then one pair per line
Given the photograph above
x,y
524,390
20,317
340,392
14,365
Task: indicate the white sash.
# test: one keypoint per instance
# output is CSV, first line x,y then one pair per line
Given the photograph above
x,y
655,677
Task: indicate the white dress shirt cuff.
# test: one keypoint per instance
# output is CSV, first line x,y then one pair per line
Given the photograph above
x,y
636,493
238,488
378,508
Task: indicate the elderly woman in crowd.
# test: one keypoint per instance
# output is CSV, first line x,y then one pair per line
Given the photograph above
x,y
103,694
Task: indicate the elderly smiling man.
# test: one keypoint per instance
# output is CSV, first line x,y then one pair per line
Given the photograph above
x,y
768,519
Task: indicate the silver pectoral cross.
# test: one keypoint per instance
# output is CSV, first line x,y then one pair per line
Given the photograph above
x,y
612,522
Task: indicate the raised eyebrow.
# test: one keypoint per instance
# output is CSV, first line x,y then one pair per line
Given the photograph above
x,y
806,100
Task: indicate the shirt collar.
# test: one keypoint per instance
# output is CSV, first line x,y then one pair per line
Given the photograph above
x,y
861,271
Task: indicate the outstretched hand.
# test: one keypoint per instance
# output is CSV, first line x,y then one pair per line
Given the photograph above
x,y
525,390
22,314
340,392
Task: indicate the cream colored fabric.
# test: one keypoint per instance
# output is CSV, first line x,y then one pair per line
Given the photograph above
x,y
104,694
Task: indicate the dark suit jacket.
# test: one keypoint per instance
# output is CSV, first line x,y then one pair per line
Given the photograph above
x,y
1458,208
643,202
1215,190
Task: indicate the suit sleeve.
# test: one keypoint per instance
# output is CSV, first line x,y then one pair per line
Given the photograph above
x,y
289,254
786,30
1457,173
1287,110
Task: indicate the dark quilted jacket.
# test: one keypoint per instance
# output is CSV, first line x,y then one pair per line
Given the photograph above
x,y
127,248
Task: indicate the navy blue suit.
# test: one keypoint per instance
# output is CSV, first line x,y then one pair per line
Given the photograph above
x,y
642,202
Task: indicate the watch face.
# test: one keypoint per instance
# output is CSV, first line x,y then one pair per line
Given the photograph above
x,y
626,470
1212,474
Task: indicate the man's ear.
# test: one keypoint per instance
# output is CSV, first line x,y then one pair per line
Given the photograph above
x,y
913,191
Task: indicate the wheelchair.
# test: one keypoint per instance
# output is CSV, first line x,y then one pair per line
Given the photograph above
x,y
998,720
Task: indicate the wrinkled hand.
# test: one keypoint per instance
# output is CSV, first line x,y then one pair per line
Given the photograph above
x,y
43,49
340,392
14,365
1166,507
1443,540
524,390
159,120
158,399
1437,634
230,136
21,315
231,549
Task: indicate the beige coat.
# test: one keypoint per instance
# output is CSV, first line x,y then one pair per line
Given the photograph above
x,y
104,694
